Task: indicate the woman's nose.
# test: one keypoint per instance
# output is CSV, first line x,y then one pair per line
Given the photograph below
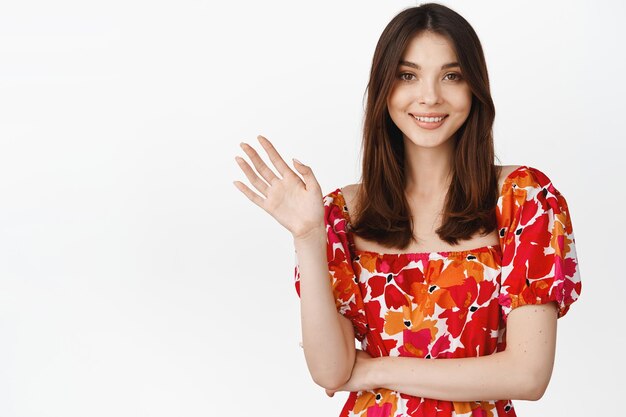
x,y
428,92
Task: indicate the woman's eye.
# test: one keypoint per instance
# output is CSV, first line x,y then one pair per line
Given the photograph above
x,y
452,76
456,77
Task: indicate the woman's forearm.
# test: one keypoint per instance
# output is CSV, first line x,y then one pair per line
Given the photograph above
x,y
328,357
484,378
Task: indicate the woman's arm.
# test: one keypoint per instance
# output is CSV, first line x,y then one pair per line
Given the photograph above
x,y
328,342
521,372
298,206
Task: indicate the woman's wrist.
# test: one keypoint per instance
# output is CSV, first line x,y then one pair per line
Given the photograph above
x,y
374,366
313,236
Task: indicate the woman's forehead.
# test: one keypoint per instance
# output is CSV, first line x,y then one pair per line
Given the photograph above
x,y
429,49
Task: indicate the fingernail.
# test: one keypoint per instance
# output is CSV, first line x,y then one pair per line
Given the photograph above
x,y
297,161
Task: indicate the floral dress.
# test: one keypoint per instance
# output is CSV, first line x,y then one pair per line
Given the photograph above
x,y
452,304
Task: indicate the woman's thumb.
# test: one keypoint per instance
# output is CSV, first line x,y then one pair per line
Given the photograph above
x,y
303,169
306,171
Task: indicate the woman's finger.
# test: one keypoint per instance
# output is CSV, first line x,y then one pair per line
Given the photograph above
x,y
275,157
252,196
259,164
310,181
258,183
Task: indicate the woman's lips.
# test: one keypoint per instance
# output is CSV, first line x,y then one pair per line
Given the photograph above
x,y
429,125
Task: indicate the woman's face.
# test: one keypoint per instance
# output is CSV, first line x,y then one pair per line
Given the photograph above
x,y
429,85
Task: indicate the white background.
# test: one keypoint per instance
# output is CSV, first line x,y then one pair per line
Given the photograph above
x,y
136,280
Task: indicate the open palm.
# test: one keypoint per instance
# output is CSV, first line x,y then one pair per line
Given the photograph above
x,y
296,203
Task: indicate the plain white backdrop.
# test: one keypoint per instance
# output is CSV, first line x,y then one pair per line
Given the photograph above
x,y
136,280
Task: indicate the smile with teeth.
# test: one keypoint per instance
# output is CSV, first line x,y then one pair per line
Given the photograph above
x,y
429,119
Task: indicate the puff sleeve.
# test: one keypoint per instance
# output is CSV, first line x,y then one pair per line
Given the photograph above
x,y
539,262
343,280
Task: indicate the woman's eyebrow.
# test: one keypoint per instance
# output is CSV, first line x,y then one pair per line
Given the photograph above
x,y
444,66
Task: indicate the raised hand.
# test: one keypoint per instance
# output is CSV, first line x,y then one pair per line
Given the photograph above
x,y
296,203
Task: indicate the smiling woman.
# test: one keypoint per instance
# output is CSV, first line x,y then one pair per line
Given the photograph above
x,y
450,271
428,97
432,85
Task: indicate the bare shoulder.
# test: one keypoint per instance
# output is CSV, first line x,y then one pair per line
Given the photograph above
x,y
349,193
504,172
349,189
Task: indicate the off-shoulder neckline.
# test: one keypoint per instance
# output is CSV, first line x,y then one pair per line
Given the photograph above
x,y
455,253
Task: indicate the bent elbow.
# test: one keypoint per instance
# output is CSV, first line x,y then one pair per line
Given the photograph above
x,y
537,392
330,381
533,395
330,372
536,388
329,376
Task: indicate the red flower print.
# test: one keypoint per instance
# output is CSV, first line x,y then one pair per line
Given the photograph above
x,y
415,343
440,305
381,402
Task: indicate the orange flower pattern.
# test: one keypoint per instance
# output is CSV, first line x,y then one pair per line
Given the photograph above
x,y
452,304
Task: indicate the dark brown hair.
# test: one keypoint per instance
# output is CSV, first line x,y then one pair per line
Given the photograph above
x,y
381,212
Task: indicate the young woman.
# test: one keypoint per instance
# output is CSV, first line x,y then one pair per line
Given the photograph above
x,y
450,270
